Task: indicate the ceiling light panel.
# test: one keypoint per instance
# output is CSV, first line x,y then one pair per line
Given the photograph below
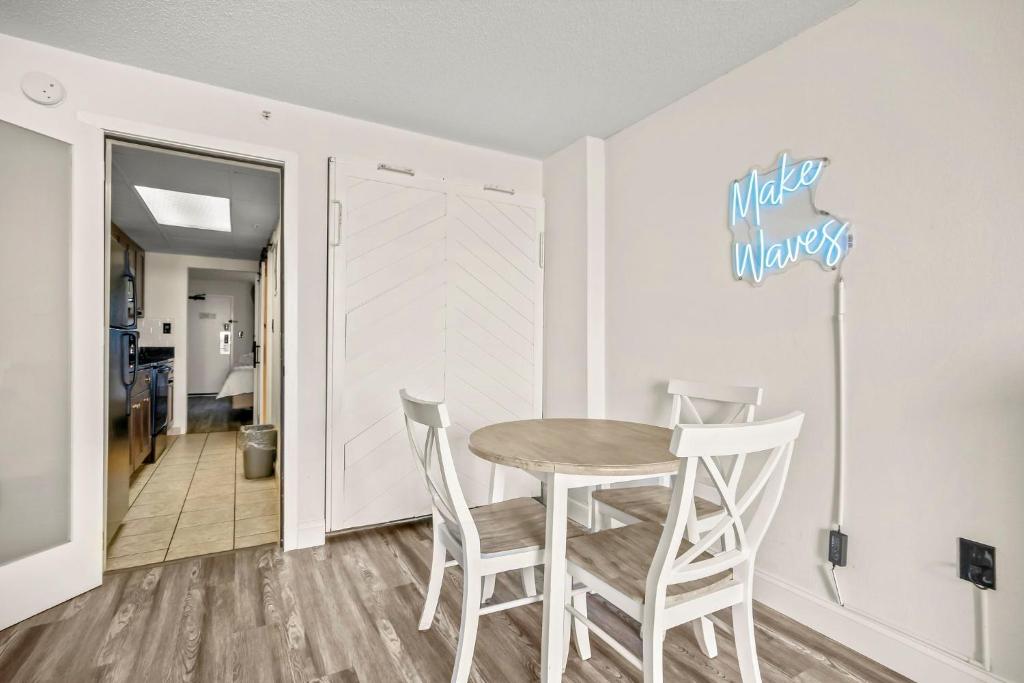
x,y
187,210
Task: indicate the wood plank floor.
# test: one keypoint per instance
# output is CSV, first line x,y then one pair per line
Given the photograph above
x,y
347,613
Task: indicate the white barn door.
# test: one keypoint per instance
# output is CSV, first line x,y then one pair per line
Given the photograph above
x,y
428,285
493,326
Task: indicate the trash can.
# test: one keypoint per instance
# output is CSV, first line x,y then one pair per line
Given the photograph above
x,y
259,450
264,435
258,461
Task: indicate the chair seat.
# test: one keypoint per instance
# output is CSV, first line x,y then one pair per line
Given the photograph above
x,y
650,503
622,557
516,524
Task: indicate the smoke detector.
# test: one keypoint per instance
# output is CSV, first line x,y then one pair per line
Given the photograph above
x,y
42,89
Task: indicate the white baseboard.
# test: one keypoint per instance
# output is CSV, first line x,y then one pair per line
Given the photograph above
x,y
898,651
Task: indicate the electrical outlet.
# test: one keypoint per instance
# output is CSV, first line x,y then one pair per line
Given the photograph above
x,y
977,563
167,328
837,544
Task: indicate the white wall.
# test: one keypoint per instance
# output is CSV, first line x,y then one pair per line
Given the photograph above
x,y
574,280
920,107
565,282
243,311
105,88
167,290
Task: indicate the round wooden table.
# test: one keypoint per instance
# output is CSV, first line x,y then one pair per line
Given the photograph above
x,y
577,446
570,453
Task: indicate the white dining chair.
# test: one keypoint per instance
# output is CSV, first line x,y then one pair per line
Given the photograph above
x,y
724,404
485,540
692,403
653,574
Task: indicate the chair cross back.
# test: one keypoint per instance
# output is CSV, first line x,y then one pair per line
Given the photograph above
x,y
509,543
739,402
438,467
700,447
743,400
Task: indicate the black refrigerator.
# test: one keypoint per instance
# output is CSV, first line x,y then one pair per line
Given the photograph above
x,y
122,372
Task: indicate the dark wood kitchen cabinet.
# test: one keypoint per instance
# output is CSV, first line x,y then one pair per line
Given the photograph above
x,y
137,259
140,432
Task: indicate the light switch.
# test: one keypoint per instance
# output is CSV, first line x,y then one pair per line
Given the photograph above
x,y
167,328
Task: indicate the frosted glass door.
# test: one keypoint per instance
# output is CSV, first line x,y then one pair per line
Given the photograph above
x,y
35,457
52,358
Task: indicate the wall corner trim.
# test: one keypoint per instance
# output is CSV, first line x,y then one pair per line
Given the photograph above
x,y
596,208
898,651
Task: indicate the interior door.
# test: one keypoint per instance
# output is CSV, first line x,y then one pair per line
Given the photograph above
x,y
493,324
436,290
209,343
52,359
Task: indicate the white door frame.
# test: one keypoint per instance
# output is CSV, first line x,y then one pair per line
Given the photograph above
x,y
295,535
49,577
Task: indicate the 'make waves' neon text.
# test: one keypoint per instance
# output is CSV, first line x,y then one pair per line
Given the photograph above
x,y
827,241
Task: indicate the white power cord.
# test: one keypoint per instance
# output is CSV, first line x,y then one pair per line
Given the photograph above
x,y
841,399
830,569
985,654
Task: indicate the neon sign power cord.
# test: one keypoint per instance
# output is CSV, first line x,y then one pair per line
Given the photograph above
x,y
840,421
985,661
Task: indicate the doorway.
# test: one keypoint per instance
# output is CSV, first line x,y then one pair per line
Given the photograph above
x,y
210,319
189,236
223,339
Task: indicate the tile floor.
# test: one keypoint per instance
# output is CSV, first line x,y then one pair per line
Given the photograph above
x,y
195,501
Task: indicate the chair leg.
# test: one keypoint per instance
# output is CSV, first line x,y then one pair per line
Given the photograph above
x,y
596,517
434,585
529,582
467,629
488,591
582,632
654,655
566,624
743,633
704,629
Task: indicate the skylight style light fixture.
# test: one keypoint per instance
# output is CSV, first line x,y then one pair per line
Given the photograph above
x,y
187,210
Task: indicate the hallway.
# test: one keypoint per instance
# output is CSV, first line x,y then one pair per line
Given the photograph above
x,y
195,501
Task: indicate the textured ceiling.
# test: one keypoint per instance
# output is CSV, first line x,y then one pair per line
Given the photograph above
x,y
254,193
525,76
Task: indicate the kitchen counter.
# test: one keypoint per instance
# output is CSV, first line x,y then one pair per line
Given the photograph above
x,y
148,355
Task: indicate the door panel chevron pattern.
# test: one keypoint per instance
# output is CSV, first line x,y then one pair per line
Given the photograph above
x,y
441,295
493,324
394,243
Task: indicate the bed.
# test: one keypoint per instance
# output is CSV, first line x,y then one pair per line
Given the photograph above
x,y
239,386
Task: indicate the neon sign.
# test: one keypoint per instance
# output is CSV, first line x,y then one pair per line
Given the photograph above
x,y
775,224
